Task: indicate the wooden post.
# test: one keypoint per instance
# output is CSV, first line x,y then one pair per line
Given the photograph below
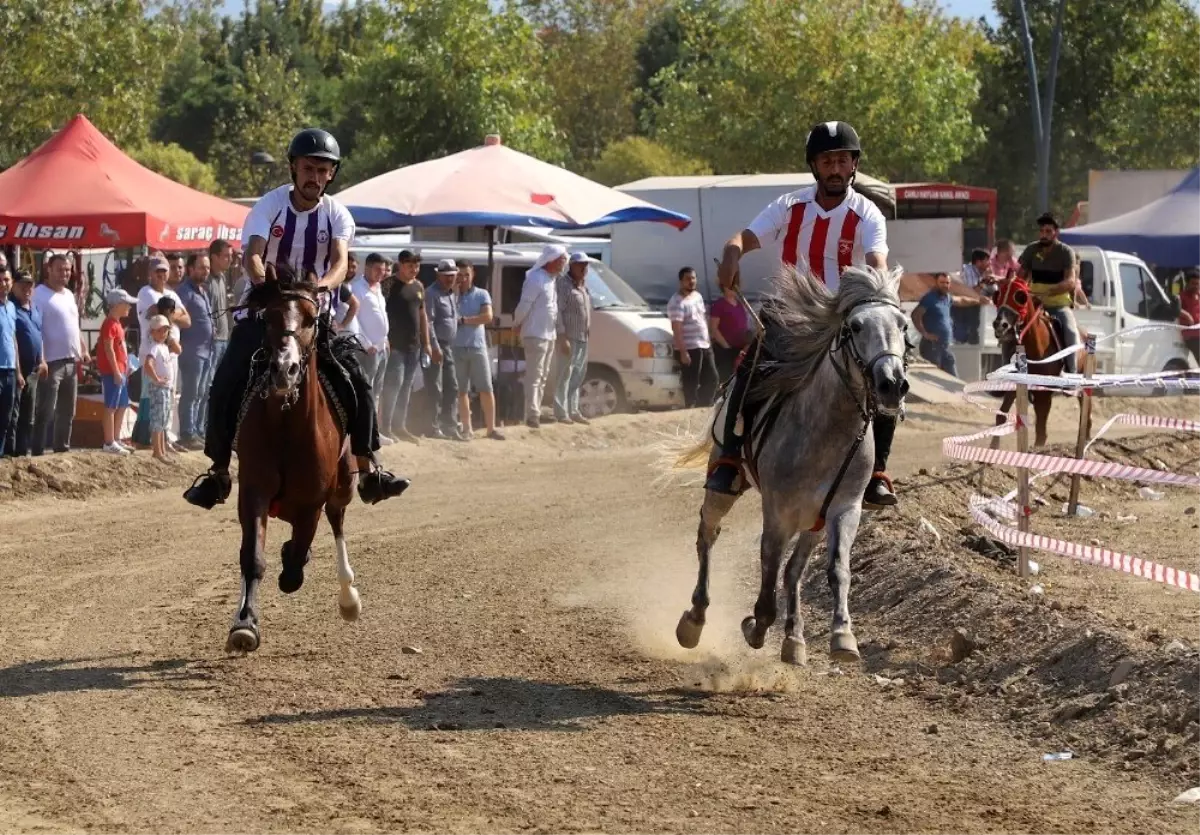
x,y
1022,403
1085,421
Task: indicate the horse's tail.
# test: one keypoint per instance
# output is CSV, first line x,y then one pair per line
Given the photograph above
x,y
685,451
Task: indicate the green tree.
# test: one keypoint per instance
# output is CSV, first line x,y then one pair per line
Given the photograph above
x,y
636,157
753,78
1128,86
264,109
444,75
590,64
103,58
175,162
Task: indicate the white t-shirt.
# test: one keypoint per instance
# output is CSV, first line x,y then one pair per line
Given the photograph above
x,y
690,312
60,323
372,314
302,240
803,234
147,298
164,362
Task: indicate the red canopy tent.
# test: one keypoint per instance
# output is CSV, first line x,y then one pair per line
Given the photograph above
x,y
80,190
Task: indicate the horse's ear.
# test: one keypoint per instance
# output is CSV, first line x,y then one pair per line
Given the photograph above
x,y
272,274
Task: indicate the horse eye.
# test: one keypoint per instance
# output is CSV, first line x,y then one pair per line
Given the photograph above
x,y
856,327
1019,297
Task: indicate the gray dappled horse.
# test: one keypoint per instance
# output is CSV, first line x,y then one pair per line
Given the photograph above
x,y
838,359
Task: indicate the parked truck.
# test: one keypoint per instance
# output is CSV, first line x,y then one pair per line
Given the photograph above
x,y
1123,295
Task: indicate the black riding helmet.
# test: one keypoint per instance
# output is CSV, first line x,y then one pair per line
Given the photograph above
x,y
831,136
314,142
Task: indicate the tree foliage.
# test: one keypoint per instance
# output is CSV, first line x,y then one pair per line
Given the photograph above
x,y
444,75
636,157
177,163
1128,87
754,77
103,58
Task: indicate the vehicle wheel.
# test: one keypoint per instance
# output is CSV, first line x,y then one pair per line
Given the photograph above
x,y
1176,364
601,393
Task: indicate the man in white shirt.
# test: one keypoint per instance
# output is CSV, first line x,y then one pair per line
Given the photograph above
x,y
373,323
689,323
536,317
63,348
825,227
301,226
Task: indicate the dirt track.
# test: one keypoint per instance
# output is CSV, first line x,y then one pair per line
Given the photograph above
x,y
541,580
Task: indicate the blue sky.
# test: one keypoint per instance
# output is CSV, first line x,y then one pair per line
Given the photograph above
x,y
971,9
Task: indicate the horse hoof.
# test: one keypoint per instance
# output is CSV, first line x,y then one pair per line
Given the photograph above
x,y
291,581
350,605
242,639
794,652
843,647
750,633
688,630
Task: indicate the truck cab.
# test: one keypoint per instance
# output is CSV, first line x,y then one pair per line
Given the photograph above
x,y
1123,295
631,358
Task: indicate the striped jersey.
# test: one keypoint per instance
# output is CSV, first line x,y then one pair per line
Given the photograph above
x,y
302,240
826,242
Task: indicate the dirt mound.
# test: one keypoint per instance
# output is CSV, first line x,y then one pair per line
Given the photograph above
x,y
952,623
84,474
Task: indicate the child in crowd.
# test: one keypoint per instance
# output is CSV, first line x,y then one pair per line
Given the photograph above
x,y
157,370
112,361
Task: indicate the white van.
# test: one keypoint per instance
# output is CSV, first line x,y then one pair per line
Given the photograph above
x,y
631,357
1123,295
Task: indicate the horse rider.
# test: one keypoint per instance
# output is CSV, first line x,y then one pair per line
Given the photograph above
x,y
827,226
1052,270
301,226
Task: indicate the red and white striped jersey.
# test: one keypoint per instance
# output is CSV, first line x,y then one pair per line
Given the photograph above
x,y
805,235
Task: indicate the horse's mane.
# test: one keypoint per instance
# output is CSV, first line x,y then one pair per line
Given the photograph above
x,y
809,316
286,280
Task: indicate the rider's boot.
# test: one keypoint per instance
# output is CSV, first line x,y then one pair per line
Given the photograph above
x,y
376,484
230,380
210,489
879,492
724,477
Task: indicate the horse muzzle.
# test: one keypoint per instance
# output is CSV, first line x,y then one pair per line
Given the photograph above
x,y
891,385
285,375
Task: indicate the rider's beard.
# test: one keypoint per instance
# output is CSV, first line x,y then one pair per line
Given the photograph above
x,y
834,189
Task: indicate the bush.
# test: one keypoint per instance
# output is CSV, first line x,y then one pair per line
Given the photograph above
x,y
636,157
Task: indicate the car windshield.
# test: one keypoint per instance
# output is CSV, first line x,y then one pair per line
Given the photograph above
x,y
610,290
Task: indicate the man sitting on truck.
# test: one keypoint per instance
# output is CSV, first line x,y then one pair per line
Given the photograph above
x,y
1050,267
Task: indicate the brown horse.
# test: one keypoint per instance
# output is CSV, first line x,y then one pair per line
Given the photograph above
x,y
1021,320
293,453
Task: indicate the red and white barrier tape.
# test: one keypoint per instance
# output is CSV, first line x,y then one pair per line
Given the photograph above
x,y
1083,553
960,447
1071,349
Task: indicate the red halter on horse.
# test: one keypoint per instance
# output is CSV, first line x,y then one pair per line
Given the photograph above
x,y
1020,320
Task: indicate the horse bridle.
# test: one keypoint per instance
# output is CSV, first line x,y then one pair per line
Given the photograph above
x,y
294,393
843,343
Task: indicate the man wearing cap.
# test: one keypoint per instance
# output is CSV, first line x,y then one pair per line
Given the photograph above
x,y
536,317
825,227
573,324
441,379
302,227
112,363
11,379
33,367
1050,267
